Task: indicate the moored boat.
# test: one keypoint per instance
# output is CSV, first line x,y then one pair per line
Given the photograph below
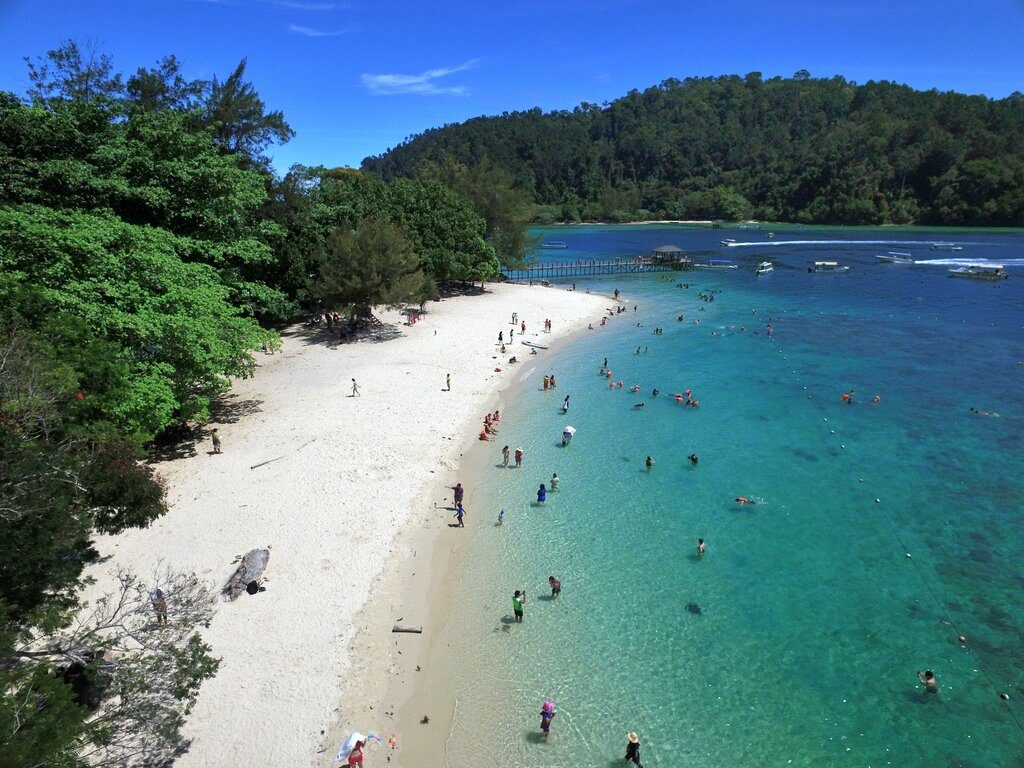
x,y
718,264
980,272
828,268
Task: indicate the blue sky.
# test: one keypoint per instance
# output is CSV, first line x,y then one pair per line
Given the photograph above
x,y
354,78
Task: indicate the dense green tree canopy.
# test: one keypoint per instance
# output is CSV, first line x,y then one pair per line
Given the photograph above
x,y
800,149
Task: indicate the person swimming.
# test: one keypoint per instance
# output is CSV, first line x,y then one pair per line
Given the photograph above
x,y
693,459
654,392
638,405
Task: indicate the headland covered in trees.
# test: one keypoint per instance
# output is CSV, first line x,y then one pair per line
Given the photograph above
x,y
800,149
147,251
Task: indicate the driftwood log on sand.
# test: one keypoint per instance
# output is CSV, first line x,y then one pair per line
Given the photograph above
x,y
249,570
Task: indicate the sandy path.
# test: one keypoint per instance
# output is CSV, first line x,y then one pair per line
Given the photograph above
x,y
349,474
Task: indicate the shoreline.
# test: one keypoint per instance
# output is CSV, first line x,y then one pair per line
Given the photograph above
x,y
413,689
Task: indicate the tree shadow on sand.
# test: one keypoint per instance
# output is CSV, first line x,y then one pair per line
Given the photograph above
x,y
184,441
334,337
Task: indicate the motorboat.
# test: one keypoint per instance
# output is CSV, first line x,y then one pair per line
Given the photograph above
x,y
555,244
728,241
946,247
980,272
718,264
895,257
828,268
765,267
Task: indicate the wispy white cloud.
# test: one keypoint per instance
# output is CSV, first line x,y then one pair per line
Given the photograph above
x,y
310,32
422,83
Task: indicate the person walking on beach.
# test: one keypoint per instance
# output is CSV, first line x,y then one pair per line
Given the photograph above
x,y
518,599
519,457
556,587
447,382
457,491
632,749
554,482
501,517
522,328
355,389
459,514
159,600
701,547
504,457
215,437
501,337
515,316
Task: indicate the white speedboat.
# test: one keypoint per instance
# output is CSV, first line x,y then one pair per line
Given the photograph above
x,y
554,244
895,257
718,264
946,247
728,241
828,268
765,267
980,272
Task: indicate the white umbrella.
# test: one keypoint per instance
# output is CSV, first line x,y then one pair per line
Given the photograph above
x,y
570,430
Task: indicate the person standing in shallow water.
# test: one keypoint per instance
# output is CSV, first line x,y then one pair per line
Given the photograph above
x,y
632,749
649,462
504,456
556,587
518,599
519,457
701,547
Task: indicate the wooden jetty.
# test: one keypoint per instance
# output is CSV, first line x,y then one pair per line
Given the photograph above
x,y
666,258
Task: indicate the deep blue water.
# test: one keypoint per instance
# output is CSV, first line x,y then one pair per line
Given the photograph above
x,y
812,620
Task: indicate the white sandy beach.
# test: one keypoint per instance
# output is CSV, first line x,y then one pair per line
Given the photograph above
x,y
348,475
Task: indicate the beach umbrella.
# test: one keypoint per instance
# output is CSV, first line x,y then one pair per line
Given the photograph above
x,y
570,430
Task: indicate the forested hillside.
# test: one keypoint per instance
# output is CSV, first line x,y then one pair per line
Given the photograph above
x,y
788,149
147,250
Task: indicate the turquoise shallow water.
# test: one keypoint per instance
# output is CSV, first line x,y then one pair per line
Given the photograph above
x,y
812,619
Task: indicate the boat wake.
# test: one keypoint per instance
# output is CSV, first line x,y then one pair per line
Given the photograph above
x,y
968,262
776,243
